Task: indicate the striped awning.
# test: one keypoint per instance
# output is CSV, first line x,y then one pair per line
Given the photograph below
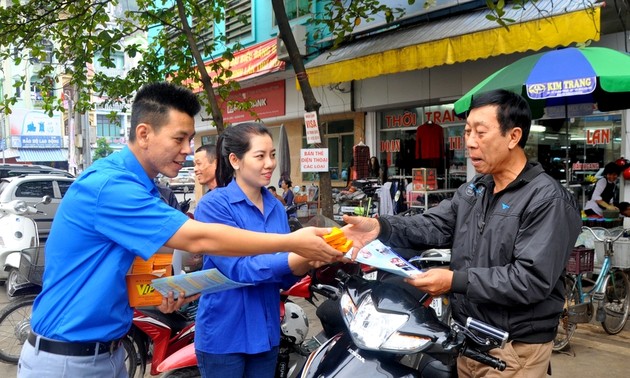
x,y
9,153
33,155
458,39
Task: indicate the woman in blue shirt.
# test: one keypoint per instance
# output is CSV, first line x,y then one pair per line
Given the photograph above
x,y
288,195
238,330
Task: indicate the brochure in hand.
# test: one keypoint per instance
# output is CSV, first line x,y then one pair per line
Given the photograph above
x,y
202,281
382,257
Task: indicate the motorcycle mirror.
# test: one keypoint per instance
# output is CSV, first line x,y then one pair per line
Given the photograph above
x,y
186,190
46,200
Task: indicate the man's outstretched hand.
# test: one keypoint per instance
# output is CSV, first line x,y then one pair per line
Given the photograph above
x,y
361,231
170,304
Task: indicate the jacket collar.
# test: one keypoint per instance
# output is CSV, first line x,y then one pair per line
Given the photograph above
x,y
529,172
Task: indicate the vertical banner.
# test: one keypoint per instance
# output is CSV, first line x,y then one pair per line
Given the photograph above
x,y
312,128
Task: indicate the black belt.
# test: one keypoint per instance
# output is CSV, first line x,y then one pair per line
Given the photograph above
x,y
73,349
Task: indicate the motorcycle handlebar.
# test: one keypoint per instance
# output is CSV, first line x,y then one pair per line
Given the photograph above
x,y
327,291
484,358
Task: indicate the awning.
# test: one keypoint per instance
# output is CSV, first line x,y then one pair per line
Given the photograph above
x,y
457,39
42,154
9,153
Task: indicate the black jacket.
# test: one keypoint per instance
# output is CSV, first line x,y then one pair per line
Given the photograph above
x,y
509,250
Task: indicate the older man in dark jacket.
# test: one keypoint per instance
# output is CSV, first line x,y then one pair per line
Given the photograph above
x,y
511,230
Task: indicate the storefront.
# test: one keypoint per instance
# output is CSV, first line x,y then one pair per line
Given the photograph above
x,y
422,137
571,150
37,137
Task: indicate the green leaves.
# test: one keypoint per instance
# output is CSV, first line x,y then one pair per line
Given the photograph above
x,y
91,41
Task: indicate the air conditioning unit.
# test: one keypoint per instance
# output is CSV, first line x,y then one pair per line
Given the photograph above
x,y
299,33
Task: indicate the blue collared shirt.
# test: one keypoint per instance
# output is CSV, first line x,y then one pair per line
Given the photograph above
x,y
110,214
243,320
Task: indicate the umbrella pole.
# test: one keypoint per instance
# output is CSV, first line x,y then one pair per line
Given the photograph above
x,y
566,158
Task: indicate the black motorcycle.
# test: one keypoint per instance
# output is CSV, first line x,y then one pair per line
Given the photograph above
x,y
389,333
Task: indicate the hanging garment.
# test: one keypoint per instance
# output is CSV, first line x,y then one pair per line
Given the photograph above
x,y
385,202
429,141
361,158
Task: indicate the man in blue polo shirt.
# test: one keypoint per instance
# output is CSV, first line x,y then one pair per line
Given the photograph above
x,y
113,213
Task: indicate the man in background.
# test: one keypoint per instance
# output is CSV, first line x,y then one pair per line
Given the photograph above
x,y
273,191
206,165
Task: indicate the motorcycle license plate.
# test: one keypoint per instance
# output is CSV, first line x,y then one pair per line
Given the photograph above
x,y
371,276
436,304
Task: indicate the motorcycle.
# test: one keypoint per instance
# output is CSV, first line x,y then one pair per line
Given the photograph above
x,y
154,336
391,334
19,232
293,349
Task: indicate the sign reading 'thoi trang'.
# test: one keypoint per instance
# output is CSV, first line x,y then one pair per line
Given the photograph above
x,y
562,88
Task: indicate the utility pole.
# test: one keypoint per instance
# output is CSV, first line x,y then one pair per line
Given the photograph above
x,y
72,153
3,144
87,148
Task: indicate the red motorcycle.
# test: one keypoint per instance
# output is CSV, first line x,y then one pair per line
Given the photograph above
x,y
293,350
156,336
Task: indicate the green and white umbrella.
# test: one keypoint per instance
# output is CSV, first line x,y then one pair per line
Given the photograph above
x,y
563,78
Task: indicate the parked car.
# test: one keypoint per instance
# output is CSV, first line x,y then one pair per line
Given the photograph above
x,y
10,170
31,189
185,178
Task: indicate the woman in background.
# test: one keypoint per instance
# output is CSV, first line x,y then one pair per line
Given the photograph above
x,y
238,330
604,194
288,195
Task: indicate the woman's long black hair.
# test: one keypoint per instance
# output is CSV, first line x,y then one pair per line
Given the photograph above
x,y
235,140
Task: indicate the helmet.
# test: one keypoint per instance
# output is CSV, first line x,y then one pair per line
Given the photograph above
x,y
294,325
626,174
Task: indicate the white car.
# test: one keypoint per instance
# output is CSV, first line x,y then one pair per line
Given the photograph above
x,y
31,189
185,178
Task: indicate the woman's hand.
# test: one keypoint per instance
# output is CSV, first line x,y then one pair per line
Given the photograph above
x,y
309,243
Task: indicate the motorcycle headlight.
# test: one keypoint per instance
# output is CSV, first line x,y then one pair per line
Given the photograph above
x,y
374,330
20,207
348,308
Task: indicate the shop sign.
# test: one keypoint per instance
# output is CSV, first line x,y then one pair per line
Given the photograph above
x,y
390,145
115,140
35,129
585,166
562,88
247,64
599,136
569,111
312,128
441,115
268,100
455,143
314,159
400,120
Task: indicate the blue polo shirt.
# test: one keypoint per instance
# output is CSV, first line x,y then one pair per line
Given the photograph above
x,y
243,320
110,214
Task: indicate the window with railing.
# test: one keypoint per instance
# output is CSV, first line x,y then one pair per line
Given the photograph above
x,y
340,139
106,127
295,9
238,20
46,56
204,29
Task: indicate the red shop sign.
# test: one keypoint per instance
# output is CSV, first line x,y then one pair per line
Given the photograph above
x,y
268,101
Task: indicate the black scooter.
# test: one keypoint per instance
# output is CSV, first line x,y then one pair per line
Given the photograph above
x,y
389,333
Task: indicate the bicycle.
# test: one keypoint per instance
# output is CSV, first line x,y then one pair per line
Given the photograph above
x,y
611,292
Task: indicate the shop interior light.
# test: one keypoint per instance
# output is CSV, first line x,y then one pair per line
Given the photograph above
x,y
537,129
